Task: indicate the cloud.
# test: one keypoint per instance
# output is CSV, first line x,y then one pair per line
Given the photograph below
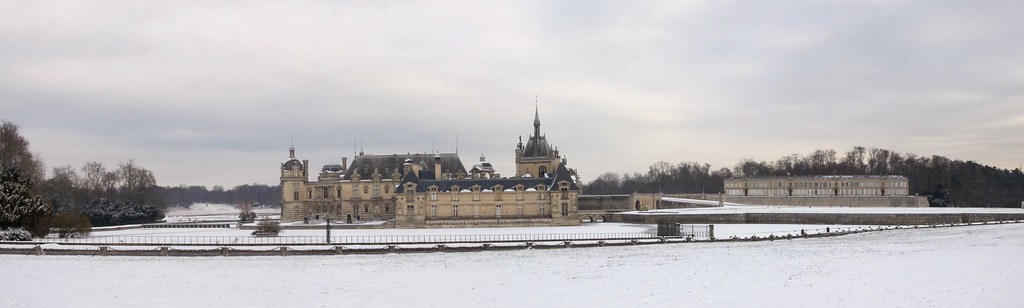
x,y
212,93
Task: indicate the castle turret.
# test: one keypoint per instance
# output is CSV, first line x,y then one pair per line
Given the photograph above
x,y
537,158
294,176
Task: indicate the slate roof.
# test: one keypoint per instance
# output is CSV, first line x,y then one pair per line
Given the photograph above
x,y
291,162
331,168
549,183
387,164
537,147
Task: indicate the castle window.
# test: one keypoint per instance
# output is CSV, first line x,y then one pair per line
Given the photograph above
x,y
376,190
565,209
519,210
542,172
541,208
433,211
455,211
295,196
497,211
366,189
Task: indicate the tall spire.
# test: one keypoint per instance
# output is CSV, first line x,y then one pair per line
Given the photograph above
x,y
536,117
291,149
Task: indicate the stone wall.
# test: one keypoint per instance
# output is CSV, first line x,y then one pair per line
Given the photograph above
x,y
818,218
832,201
605,203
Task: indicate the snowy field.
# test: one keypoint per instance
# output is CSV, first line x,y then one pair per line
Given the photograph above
x,y
974,266
721,230
212,212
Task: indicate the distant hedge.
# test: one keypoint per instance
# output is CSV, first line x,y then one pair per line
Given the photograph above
x,y
106,212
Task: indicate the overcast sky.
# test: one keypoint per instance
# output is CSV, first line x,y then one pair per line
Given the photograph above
x,y
204,92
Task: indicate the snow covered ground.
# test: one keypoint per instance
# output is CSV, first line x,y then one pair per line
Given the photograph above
x,y
974,266
734,209
199,212
721,230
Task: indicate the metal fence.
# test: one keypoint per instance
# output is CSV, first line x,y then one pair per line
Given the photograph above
x,y
344,240
699,232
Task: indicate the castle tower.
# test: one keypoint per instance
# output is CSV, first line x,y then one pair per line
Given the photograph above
x,y
537,158
294,177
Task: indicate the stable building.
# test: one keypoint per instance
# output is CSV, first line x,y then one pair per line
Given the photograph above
x,y
824,190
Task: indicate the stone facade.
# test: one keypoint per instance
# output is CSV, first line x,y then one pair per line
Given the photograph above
x,y
435,190
818,186
875,201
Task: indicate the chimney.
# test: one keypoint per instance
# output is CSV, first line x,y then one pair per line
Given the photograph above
x,y
437,166
344,163
305,168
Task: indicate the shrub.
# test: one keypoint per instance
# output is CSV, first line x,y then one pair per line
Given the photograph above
x,y
15,234
106,212
267,226
246,214
71,225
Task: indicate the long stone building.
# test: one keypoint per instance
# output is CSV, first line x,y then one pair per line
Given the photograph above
x,y
826,185
826,190
436,190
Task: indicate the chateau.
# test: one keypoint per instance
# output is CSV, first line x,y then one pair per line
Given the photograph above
x,y
435,190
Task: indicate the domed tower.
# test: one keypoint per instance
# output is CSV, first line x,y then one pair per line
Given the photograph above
x,y
537,158
294,176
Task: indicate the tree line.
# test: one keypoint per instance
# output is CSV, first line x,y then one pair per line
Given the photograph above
x,y
944,181
255,194
72,199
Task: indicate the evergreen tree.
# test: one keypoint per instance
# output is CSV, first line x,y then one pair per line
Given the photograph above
x,y
18,206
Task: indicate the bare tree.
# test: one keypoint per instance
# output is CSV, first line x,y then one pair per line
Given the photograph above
x,y
135,182
14,153
62,184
